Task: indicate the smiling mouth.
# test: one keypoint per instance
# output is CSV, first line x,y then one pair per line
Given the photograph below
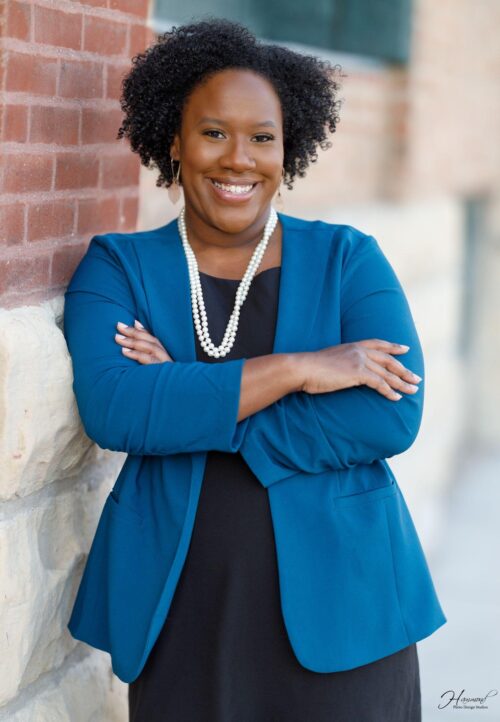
x,y
233,189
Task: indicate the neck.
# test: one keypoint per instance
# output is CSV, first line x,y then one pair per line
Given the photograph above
x,y
227,254
207,239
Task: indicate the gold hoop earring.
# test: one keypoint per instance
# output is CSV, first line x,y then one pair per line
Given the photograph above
x,y
174,190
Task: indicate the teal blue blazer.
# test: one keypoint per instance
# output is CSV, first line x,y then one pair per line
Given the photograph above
x,y
354,582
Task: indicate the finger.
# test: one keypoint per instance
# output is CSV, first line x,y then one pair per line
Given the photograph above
x,y
378,383
141,346
137,344
393,365
134,333
156,351
388,346
140,356
393,380
123,328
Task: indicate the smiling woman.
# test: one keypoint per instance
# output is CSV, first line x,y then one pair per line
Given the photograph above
x,y
255,560
230,169
238,118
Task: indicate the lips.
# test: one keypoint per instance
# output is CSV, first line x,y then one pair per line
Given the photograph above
x,y
226,190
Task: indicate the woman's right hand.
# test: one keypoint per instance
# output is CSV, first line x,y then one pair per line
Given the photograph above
x,y
369,362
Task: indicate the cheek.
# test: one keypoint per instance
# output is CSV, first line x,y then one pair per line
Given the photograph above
x,y
199,155
273,160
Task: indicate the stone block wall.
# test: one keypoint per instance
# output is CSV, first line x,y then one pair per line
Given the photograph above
x,y
63,178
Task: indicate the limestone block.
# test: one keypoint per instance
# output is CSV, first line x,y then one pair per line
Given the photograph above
x,y
86,691
41,437
43,549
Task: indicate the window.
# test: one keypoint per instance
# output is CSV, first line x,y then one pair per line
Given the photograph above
x,y
374,28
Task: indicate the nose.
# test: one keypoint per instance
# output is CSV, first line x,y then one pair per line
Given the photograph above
x,y
238,155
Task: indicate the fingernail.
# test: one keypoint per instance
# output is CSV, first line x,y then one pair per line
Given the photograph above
x,y
120,336
138,324
417,378
121,325
403,345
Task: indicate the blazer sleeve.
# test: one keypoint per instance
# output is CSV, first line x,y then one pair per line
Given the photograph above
x,y
336,430
164,408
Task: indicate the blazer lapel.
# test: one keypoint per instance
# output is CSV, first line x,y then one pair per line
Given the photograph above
x,y
304,256
303,263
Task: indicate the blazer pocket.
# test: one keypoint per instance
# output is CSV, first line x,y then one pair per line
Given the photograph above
x,y
363,497
125,512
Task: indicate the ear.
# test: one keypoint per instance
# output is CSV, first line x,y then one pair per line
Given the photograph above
x,y
175,148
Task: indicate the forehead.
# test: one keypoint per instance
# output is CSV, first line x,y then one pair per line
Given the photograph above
x,y
234,95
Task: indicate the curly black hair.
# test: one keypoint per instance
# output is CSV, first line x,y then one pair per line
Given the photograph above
x,y
163,76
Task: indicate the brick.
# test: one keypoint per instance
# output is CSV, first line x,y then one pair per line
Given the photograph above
x,y
23,172
116,73
76,170
18,20
133,7
53,124
11,224
104,36
97,215
55,27
80,79
95,3
129,213
50,220
100,126
31,73
120,170
64,262
25,273
15,123
139,39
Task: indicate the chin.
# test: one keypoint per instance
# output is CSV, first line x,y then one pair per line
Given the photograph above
x,y
236,219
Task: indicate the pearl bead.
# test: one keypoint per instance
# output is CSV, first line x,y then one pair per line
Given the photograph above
x,y
197,301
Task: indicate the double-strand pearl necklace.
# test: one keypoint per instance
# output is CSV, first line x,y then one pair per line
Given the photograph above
x,y
197,301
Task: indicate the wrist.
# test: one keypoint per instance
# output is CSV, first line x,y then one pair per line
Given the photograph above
x,y
295,370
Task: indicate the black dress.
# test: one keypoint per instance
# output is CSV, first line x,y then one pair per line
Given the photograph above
x,y
223,654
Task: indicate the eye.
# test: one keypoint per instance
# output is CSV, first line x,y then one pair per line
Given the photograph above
x,y
265,136
206,132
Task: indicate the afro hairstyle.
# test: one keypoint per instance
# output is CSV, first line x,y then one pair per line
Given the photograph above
x,y
162,77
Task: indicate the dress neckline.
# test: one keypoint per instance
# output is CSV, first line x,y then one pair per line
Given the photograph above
x,y
238,280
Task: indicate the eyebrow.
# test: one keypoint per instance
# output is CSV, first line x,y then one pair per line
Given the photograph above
x,y
218,121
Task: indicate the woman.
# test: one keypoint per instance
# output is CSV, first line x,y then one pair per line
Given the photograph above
x,y
255,560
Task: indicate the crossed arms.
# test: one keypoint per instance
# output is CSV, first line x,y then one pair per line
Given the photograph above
x,y
182,407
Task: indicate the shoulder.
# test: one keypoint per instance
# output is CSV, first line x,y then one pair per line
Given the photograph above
x,y
119,256
345,240
126,243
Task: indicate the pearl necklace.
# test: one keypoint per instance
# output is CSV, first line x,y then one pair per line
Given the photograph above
x,y
197,302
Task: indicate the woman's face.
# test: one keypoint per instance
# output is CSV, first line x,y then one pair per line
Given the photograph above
x,y
231,150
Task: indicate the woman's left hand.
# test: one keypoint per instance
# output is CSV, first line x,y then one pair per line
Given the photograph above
x,y
139,344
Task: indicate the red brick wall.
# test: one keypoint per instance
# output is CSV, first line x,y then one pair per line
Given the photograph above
x,y
63,174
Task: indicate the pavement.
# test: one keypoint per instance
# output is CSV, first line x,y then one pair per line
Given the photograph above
x,y
462,658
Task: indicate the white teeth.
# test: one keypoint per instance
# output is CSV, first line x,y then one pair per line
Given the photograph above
x,y
233,189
